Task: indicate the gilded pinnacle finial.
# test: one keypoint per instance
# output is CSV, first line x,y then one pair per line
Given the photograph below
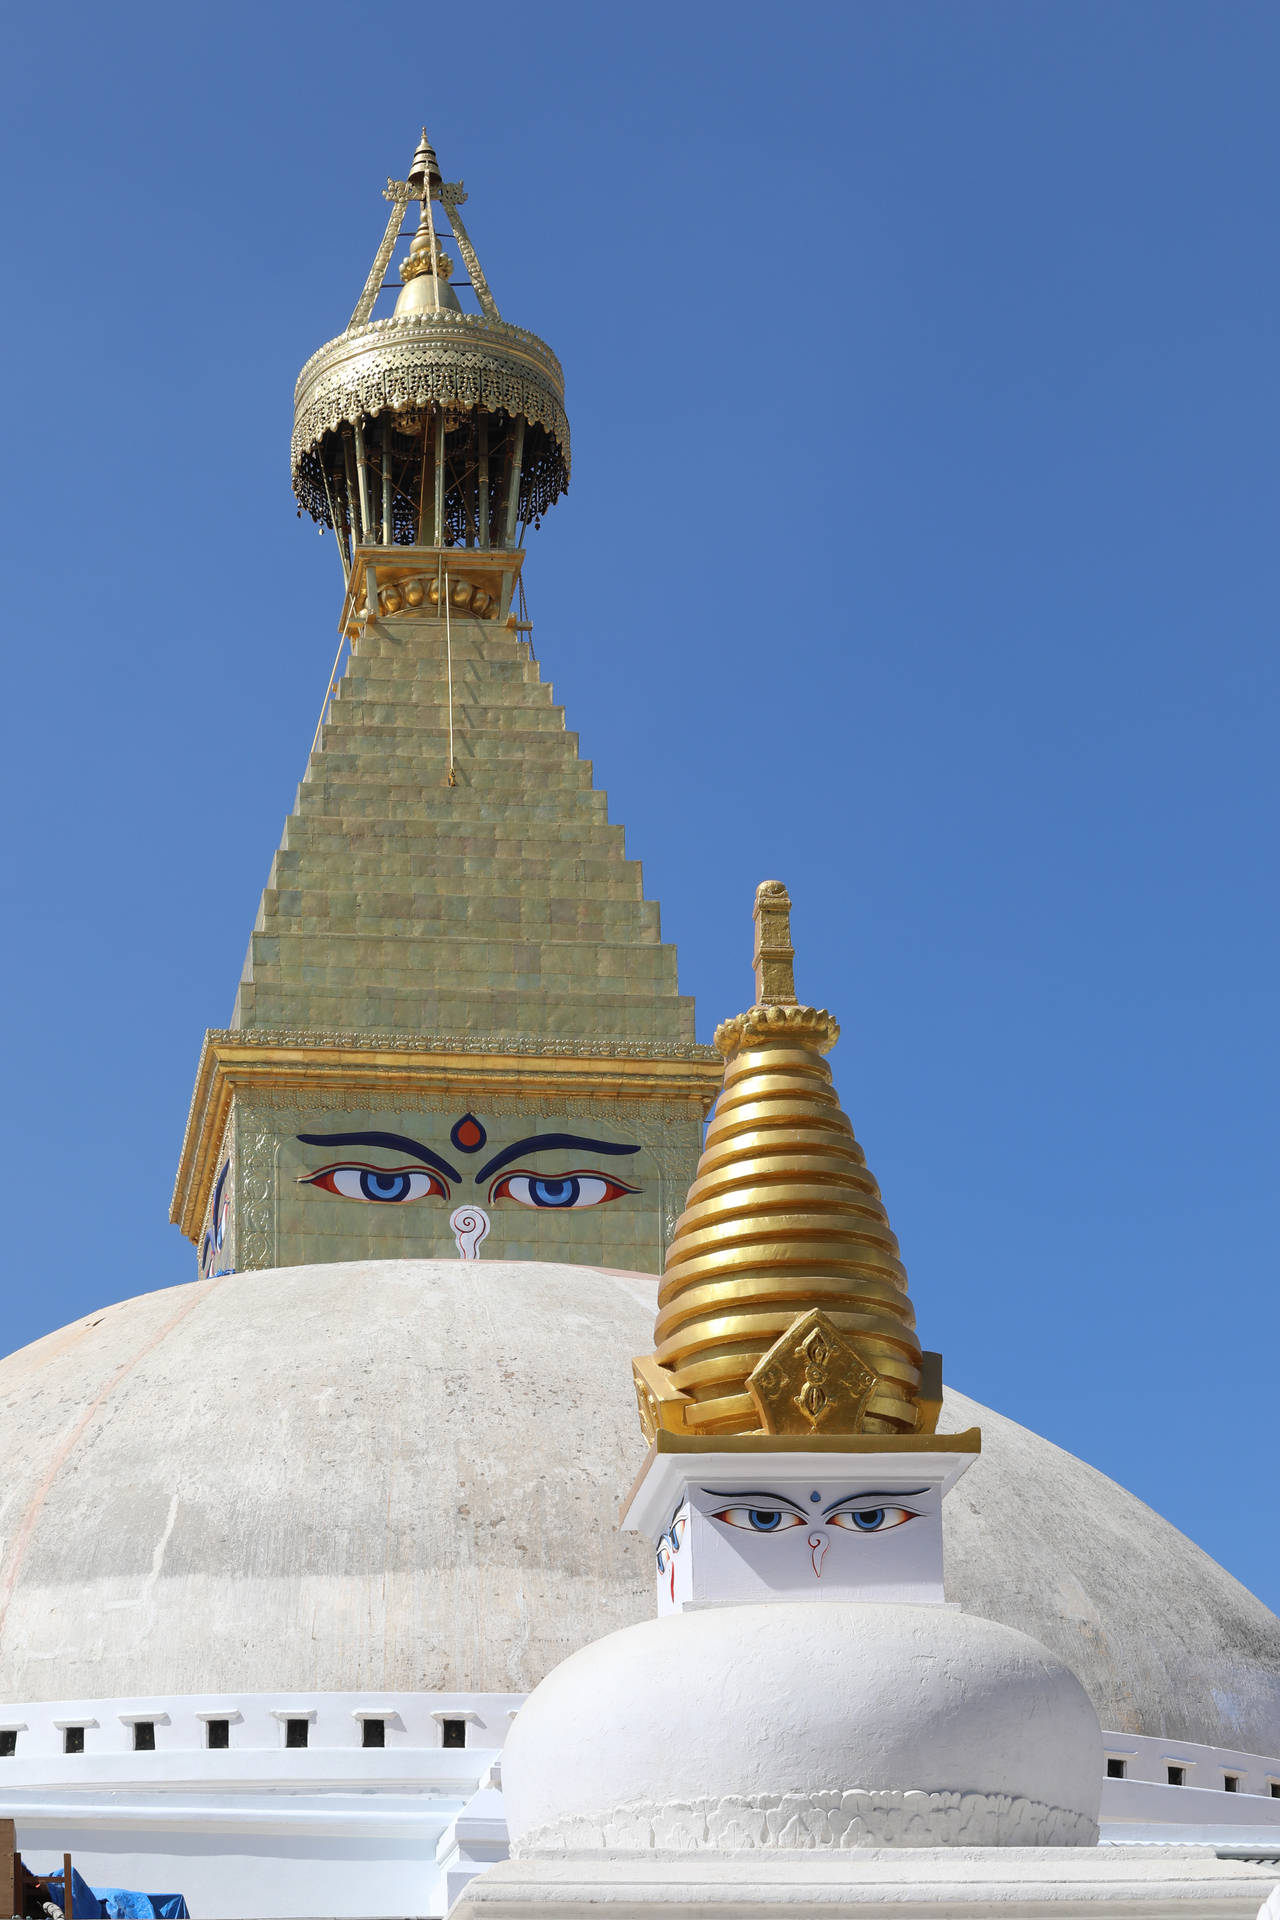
x,y
774,959
776,1009
783,1308
424,173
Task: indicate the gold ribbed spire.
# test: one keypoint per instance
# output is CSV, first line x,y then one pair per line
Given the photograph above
x,y
783,1308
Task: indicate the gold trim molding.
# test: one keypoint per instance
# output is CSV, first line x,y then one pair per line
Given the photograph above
x,y
490,1064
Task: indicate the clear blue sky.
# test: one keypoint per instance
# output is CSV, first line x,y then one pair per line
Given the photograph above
x,y
920,551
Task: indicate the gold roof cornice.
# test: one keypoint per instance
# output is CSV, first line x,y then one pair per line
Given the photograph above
x,y
490,1064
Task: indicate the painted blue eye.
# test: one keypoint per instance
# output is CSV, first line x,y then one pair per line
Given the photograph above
x,y
381,1184
568,1190
554,1193
385,1186
871,1519
759,1519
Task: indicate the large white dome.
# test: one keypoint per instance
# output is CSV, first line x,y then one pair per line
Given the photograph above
x,y
405,1475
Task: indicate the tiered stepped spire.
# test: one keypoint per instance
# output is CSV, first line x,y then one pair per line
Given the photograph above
x,y
453,955
501,905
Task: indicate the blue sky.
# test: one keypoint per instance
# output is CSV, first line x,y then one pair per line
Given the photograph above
x,y
920,551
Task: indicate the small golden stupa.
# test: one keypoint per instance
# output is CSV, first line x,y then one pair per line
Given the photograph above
x,y
783,1307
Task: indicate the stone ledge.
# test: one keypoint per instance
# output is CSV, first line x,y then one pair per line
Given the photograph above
x,y
895,1883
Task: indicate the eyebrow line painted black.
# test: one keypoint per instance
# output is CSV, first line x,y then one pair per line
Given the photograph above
x,y
877,1493
393,1142
546,1143
754,1493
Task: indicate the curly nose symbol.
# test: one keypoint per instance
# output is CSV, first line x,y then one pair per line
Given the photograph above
x,y
470,1225
818,1544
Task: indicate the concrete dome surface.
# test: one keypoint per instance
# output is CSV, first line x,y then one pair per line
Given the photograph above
x,y
405,1474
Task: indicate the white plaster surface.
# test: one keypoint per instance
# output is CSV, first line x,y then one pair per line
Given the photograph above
x,y
698,1515
845,1725
957,1883
406,1474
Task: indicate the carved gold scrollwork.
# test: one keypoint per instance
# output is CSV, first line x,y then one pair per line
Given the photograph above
x,y
255,1205
812,1379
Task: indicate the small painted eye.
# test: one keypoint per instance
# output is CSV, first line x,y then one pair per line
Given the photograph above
x,y
759,1519
871,1519
565,1190
677,1530
387,1185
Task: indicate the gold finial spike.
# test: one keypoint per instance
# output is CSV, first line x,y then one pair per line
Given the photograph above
x,y
425,172
774,958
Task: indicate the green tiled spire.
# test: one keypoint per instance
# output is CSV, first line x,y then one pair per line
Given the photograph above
x,y
502,905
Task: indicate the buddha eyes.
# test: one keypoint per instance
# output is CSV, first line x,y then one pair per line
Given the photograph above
x,y
387,1185
392,1185
759,1519
850,1519
566,1190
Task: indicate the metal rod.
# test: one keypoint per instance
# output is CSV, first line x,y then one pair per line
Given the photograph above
x,y
482,482
512,502
67,1907
362,474
439,513
435,258
351,494
448,654
342,545
421,532
328,692
386,481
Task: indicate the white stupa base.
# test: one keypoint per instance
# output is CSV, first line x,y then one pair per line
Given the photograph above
x,y
928,1883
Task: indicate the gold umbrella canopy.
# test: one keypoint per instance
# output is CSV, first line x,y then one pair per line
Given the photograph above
x,y
431,426
783,1307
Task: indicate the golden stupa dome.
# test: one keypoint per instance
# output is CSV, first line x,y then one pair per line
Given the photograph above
x,y
783,1307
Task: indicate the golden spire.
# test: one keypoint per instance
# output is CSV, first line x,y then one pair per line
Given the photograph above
x,y
783,1308
426,256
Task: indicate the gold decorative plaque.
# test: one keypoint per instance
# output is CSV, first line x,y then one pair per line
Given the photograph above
x,y
812,1380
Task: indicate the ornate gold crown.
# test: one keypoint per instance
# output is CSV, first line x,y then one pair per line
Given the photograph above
x,y
425,259
783,1308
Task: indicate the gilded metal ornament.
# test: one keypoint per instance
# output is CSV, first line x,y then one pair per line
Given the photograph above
x,y
783,1306
812,1379
774,959
453,195
432,427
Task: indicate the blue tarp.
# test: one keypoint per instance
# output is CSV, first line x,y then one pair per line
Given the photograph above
x,y
116,1903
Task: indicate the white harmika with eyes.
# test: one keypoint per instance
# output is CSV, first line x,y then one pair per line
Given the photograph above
x,y
795,1525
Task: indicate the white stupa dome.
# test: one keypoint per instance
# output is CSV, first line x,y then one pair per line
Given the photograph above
x,y
406,1474
832,1724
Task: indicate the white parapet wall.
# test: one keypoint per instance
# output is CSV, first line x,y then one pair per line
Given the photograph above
x,y
259,1827
336,1827
1175,1790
